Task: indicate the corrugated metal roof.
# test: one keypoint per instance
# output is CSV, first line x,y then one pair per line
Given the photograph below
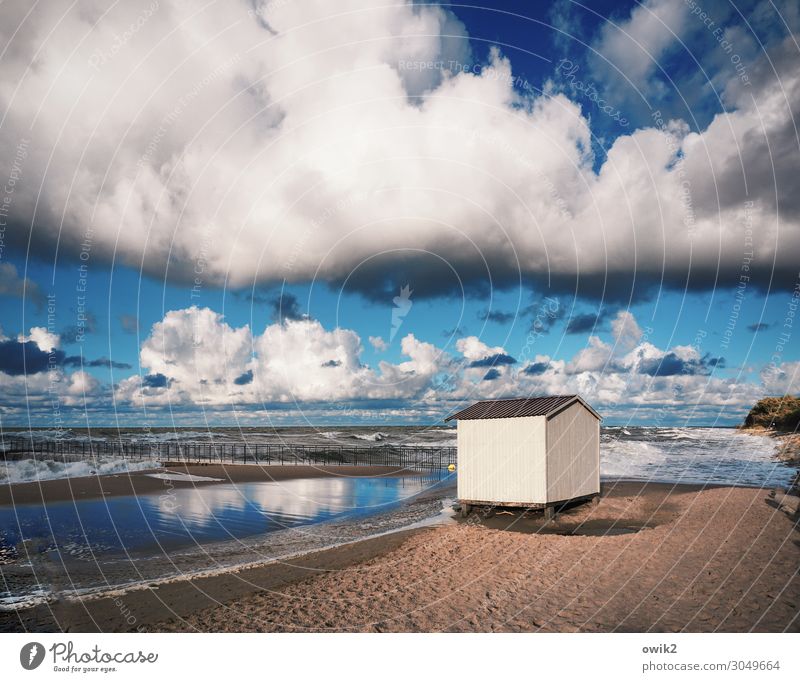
x,y
519,407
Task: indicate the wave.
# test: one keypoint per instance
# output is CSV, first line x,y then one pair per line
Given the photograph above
x,y
718,456
376,437
430,444
25,470
39,435
170,436
679,434
630,459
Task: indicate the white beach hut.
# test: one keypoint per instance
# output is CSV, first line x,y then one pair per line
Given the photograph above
x,y
528,452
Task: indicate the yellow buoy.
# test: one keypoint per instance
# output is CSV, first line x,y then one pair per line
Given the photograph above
x,y
451,467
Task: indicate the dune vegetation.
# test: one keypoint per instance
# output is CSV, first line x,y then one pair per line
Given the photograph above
x,y
779,413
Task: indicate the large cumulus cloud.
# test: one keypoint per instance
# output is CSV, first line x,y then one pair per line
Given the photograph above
x,y
301,140
34,381
201,360
193,357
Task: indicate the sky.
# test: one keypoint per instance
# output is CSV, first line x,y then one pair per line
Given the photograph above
x,y
311,213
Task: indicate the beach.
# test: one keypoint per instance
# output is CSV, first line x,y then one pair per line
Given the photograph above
x,y
649,557
719,559
143,483
787,442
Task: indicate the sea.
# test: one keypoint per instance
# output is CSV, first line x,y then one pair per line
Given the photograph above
x,y
724,456
86,546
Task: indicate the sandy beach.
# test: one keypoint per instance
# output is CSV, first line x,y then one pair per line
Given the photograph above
x,y
648,557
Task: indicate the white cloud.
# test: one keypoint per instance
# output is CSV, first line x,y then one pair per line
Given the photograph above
x,y
197,344
599,356
299,364
46,395
378,343
625,329
630,50
302,361
782,378
304,149
472,348
44,339
193,356
196,352
594,358
642,352
82,384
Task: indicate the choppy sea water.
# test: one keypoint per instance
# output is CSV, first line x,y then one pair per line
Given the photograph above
x,y
91,545
675,454
692,455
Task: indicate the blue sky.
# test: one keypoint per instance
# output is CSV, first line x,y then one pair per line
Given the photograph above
x,y
232,246
498,320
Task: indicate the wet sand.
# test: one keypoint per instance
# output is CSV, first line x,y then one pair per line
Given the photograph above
x,y
139,483
143,609
648,557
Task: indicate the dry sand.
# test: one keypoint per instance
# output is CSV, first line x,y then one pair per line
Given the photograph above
x,y
648,557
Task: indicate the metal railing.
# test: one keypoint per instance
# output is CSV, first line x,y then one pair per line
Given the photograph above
x,y
412,457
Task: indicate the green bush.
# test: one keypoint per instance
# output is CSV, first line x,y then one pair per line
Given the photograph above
x,y
781,413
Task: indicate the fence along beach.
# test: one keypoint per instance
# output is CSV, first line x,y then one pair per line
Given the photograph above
x,y
265,454
628,560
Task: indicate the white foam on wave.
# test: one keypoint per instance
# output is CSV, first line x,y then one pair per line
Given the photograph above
x,y
681,434
26,470
376,437
170,436
698,455
177,476
50,435
38,435
630,459
32,598
431,444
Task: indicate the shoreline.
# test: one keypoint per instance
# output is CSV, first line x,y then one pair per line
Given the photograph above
x,y
789,449
730,545
135,571
143,482
139,482
139,607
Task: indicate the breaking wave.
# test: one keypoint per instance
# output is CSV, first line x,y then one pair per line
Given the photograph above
x,y
25,470
376,437
691,455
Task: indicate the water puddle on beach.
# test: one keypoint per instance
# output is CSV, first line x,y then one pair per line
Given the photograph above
x,y
78,549
95,529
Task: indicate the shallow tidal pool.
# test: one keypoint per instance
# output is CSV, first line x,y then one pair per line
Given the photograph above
x,y
182,517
